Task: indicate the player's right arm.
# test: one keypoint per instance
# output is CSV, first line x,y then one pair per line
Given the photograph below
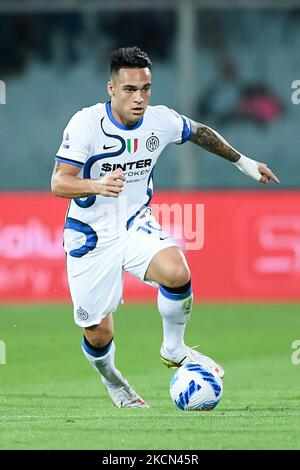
x,y
71,157
65,183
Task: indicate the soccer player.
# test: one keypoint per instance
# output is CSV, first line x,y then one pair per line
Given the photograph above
x,y
105,165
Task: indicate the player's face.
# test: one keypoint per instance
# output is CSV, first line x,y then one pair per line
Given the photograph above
x,y
130,91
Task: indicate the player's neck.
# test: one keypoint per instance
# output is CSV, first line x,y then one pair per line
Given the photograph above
x,y
120,119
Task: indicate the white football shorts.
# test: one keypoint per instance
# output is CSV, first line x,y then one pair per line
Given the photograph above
x,y
96,279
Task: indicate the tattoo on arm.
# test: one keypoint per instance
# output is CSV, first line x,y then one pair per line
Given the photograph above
x,y
213,142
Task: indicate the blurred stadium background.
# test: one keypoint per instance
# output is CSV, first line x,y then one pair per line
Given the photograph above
x,y
230,67
228,63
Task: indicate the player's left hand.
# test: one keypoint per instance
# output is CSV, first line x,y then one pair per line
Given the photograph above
x,y
256,170
266,174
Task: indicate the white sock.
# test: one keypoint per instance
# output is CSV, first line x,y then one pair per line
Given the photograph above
x,y
105,364
175,310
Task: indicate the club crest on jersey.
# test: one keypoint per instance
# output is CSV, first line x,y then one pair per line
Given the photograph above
x,y
152,143
132,145
82,314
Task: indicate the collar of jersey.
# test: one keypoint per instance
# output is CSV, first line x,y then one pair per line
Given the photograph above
x,y
118,124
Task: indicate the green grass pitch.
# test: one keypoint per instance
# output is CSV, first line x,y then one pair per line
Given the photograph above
x,y
51,398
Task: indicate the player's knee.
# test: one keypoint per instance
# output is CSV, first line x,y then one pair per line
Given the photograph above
x,y
178,276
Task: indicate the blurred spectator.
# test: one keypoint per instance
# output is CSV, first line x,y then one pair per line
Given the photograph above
x,y
227,100
223,95
259,104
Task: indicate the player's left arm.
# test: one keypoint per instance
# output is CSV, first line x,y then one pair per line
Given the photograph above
x,y
210,140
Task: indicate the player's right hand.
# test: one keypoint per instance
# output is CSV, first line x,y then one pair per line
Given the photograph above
x,y
111,185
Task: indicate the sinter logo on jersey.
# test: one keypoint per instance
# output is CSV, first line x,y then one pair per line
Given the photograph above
x,y
152,143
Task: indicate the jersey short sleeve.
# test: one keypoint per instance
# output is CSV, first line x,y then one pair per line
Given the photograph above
x,y
75,146
180,126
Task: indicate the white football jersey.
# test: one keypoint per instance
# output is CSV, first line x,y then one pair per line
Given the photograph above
x,y
95,142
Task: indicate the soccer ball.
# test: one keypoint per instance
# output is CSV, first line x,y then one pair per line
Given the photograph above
x,y
196,387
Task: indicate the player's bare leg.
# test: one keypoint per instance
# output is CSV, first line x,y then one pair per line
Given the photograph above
x,y
99,348
170,270
100,335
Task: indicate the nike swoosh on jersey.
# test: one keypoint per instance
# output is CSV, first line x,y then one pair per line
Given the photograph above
x,y
106,147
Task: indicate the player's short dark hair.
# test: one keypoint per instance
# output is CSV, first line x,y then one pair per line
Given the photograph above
x,y
131,57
